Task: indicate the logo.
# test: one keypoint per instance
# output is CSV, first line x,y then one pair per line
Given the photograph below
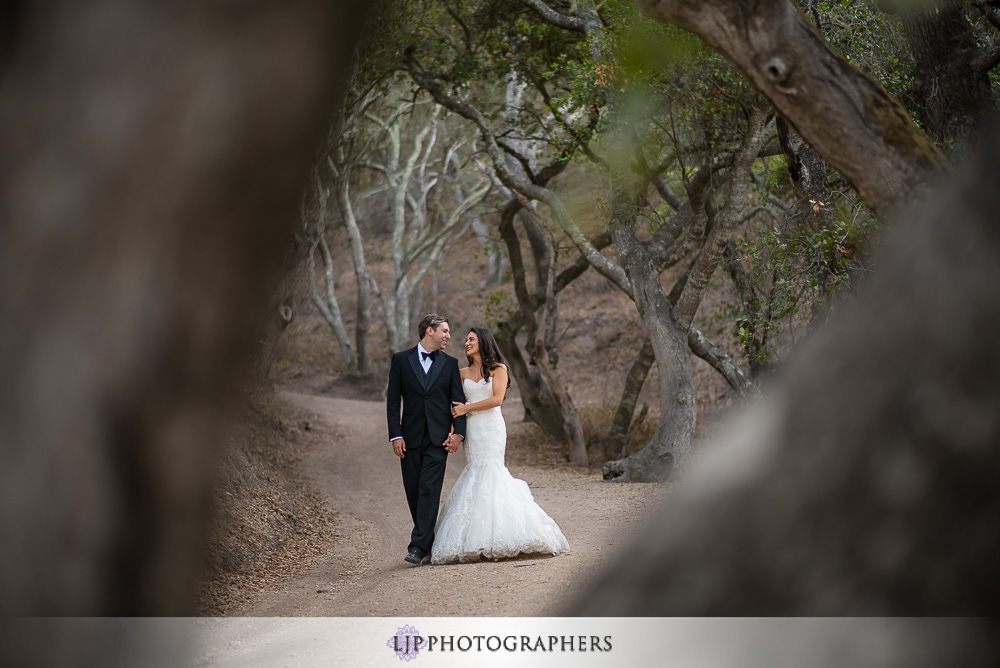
x,y
406,643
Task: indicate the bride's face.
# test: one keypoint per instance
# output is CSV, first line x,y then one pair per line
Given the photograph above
x,y
471,344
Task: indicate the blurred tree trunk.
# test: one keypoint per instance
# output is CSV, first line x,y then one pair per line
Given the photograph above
x,y
154,156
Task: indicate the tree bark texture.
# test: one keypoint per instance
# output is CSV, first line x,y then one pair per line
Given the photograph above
x,y
842,113
362,324
671,442
865,485
949,77
615,441
277,321
154,156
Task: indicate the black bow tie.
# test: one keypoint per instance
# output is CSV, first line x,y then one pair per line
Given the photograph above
x,y
428,356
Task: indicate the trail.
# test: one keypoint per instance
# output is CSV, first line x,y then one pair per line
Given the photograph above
x,y
365,575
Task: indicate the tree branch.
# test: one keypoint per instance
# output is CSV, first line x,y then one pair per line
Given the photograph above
x,y
726,220
557,19
846,116
989,59
570,273
722,362
474,198
991,13
602,264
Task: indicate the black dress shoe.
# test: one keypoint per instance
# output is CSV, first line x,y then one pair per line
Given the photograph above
x,y
413,556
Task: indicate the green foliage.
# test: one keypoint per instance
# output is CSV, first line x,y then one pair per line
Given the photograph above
x,y
792,265
498,305
874,43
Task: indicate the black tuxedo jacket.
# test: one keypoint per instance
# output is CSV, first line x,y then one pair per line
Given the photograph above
x,y
426,398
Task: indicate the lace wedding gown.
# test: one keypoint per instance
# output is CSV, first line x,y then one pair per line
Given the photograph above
x,y
490,513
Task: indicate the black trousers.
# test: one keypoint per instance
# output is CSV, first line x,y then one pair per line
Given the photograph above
x,y
423,476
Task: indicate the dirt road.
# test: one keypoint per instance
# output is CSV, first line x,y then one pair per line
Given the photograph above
x,y
365,575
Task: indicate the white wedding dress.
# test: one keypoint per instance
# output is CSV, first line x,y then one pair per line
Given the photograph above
x,y
490,513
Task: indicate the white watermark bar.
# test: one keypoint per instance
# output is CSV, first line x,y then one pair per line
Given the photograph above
x,y
415,642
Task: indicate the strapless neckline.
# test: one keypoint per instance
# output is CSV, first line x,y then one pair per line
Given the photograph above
x,y
476,382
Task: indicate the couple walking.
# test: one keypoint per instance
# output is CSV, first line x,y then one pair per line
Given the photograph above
x,y
489,513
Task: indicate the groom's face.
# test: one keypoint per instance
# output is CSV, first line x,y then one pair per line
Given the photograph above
x,y
440,336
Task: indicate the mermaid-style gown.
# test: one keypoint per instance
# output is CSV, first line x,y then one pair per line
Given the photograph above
x,y
490,513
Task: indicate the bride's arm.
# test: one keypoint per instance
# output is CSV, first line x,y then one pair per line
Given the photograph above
x,y
499,390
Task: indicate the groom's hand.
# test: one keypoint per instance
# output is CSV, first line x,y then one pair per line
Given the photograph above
x,y
399,447
452,442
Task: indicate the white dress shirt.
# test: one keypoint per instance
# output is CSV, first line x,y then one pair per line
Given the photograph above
x,y
425,362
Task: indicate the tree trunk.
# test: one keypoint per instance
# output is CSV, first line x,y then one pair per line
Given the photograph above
x,y
668,323
327,304
564,402
363,278
949,78
546,367
538,407
541,401
615,441
755,339
277,321
671,443
846,116
494,270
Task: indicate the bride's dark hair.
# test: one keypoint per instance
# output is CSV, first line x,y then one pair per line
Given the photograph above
x,y
489,352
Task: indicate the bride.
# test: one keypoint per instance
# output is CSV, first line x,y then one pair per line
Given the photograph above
x,y
489,513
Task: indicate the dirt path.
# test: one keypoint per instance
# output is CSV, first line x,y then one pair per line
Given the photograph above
x,y
365,575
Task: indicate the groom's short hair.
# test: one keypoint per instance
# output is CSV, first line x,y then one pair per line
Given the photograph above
x,y
430,320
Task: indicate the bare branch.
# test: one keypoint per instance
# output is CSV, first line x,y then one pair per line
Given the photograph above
x,y
989,59
557,19
722,362
988,9
711,252
474,198
602,264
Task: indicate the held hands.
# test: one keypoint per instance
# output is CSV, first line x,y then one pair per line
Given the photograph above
x,y
458,409
452,442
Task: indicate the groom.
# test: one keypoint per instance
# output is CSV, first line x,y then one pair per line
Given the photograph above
x,y
427,381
